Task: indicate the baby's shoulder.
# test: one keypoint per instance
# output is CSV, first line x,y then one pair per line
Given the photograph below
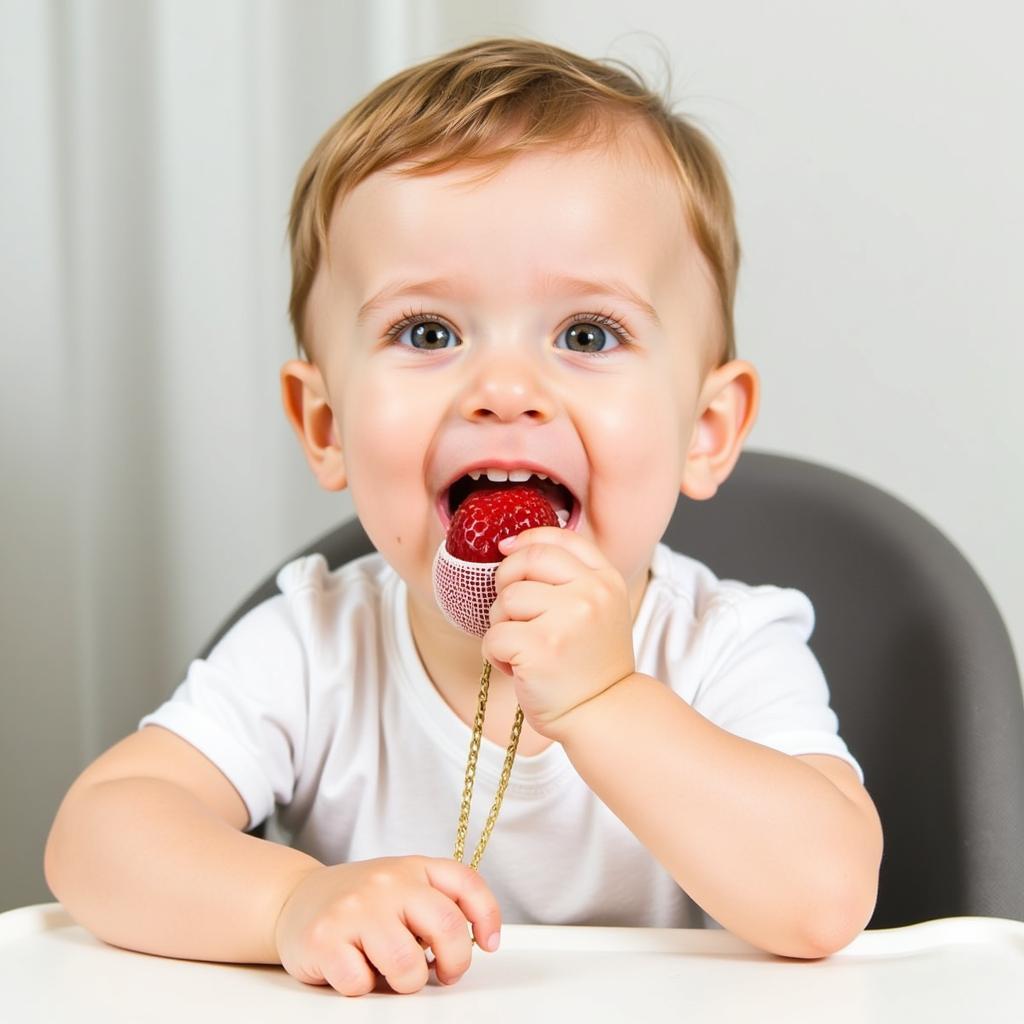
x,y
725,604
335,612
312,573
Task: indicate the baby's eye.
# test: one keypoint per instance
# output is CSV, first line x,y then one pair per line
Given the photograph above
x,y
588,333
428,334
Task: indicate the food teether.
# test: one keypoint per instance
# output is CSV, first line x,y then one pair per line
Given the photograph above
x,y
468,557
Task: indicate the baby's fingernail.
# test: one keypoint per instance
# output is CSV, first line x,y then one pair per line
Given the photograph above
x,y
491,942
506,543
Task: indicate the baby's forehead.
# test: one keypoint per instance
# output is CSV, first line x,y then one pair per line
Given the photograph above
x,y
582,212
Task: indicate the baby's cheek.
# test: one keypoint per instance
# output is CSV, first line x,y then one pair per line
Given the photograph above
x,y
388,440
635,490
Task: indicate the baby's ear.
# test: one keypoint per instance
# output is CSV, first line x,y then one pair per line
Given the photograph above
x,y
306,405
727,409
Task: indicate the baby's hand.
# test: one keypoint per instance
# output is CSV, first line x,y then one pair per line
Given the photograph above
x,y
343,921
561,624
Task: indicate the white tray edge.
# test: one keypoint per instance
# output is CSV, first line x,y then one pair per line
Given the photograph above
x,y
915,938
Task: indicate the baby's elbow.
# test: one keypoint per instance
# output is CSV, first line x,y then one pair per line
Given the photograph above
x,y
840,921
824,941
848,898
50,859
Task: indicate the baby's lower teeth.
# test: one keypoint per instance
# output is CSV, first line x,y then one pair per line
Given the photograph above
x,y
563,516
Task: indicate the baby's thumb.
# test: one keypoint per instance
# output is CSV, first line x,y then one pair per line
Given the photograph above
x,y
465,887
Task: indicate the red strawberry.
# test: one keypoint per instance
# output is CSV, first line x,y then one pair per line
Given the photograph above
x,y
492,514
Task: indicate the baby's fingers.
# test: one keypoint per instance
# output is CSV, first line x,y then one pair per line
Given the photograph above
x,y
394,951
464,886
440,923
346,970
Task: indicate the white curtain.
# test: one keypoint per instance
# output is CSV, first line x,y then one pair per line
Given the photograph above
x,y
150,478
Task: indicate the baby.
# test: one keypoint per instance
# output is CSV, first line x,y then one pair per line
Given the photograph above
x,y
507,260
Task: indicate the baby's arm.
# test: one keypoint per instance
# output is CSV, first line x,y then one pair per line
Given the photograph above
x,y
146,852
770,846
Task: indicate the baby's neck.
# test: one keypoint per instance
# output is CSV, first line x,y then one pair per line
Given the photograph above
x,y
447,653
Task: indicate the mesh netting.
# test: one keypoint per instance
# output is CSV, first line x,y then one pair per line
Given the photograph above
x,y
464,591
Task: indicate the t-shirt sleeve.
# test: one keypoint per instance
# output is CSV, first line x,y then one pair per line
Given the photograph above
x,y
244,707
760,679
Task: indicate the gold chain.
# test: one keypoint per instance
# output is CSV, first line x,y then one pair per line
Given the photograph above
x,y
467,789
506,771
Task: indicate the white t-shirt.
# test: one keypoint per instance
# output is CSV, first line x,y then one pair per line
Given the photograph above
x,y
316,704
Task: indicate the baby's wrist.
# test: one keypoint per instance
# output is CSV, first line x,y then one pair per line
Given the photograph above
x,y
292,883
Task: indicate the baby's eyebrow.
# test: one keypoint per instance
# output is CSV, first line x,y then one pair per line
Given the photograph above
x,y
445,288
579,286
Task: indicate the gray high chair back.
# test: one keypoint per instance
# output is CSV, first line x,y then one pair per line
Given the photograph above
x,y
918,661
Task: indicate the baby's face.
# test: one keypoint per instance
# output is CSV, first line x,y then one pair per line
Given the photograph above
x,y
497,371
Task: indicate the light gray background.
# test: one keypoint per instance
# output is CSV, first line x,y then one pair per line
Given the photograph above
x,y
150,478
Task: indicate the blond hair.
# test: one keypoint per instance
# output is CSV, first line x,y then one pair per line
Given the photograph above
x,y
462,105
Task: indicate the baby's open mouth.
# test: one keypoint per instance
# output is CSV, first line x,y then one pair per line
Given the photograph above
x,y
564,502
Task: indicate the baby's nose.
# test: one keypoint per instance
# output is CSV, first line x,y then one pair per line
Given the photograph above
x,y
508,387
507,397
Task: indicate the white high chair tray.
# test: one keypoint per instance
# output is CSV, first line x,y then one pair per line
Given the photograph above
x,y
950,970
